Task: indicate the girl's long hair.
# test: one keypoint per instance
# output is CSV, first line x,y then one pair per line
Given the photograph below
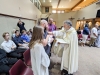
x,y
37,36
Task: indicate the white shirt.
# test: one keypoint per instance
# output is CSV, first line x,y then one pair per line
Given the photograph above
x,y
94,30
7,45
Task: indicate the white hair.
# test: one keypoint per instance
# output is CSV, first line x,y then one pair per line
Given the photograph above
x,y
43,21
68,22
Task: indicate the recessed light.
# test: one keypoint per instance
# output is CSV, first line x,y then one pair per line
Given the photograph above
x,y
84,0
50,0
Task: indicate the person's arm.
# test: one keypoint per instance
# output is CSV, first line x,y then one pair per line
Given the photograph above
x,y
23,23
13,45
45,41
94,33
18,24
7,49
16,42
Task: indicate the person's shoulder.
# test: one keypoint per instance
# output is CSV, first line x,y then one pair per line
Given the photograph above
x,y
38,45
3,43
10,41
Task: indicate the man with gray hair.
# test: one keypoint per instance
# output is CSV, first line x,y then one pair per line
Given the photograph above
x,y
93,35
69,46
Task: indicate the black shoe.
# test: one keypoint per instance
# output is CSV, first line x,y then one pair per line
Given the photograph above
x,y
69,74
64,72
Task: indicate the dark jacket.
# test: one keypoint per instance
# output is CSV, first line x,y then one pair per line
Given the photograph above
x,y
21,26
86,31
18,40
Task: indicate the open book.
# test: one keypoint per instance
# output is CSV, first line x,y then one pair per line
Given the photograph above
x,y
61,41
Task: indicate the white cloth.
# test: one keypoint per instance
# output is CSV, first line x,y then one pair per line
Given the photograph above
x,y
98,40
40,60
84,38
49,41
70,52
7,45
94,30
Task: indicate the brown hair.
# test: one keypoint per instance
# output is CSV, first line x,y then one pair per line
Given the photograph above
x,y
23,31
4,34
37,35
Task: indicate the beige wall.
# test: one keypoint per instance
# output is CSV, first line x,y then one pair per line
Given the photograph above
x,y
60,18
7,24
87,12
20,8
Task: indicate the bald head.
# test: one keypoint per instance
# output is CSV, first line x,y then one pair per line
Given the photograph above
x,y
50,20
43,23
96,25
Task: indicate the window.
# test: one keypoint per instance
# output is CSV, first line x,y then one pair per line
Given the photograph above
x,y
53,11
46,9
58,11
62,11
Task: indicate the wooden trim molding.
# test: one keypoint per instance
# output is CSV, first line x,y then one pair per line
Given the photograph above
x,y
77,4
16,17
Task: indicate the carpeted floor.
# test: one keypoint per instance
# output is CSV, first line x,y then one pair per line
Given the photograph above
x,y
89,62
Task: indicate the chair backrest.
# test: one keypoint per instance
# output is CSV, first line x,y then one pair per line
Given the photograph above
x,y
27,56
17,68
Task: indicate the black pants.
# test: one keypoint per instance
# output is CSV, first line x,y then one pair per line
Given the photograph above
x,y
18,53
4,68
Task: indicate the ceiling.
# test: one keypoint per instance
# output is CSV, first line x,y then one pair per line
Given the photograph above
x,y
67,5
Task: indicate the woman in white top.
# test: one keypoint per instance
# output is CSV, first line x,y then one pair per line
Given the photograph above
x,y
39,59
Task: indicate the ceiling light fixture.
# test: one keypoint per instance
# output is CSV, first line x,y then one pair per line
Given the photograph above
x,y
84,0
70,0
43,0
50,0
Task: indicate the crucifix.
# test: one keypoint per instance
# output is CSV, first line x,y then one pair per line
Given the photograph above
x,y
71,18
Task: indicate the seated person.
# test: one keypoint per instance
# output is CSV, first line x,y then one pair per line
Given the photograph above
x,y
13,33
5,62
24,36
29,35
19,41
10,47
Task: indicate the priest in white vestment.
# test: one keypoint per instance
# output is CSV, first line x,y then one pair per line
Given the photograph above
x,y
69,62
39,58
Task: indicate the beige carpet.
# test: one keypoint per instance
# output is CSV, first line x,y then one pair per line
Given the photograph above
x,y
89,62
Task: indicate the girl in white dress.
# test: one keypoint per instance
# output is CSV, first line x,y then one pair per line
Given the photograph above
x,y
39,59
